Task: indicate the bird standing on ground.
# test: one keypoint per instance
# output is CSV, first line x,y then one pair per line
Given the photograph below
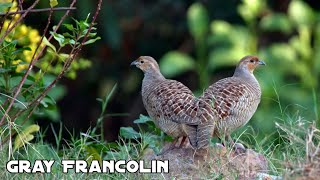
x,y
167,101
232,100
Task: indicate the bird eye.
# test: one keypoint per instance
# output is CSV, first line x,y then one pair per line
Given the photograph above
x,y
141,62
252,61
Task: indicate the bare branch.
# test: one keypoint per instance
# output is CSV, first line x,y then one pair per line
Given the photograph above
x,y
1,39
18,21
72,56
39,10
34,60
5,17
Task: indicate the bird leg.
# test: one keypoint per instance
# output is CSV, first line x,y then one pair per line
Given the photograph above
x,y
172,145
228,141
238,147
182,141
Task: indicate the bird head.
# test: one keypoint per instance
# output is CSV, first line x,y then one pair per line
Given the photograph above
x,y
146,64
249,63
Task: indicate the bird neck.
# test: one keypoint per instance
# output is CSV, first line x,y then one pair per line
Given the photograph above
x,y
150,81
153,76
244,74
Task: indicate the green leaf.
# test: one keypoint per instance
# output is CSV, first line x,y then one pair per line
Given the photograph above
x,y
276,22
48,101
53,3
220,27
66,34
250,9
92,34
90,41
71,41
15,80
60,38
46,42
69,27
25,136
301,13
4,6
142,119
129,133
174,63
91,153
198,20
63,56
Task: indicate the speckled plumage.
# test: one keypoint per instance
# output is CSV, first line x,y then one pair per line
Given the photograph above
x,y
168,102
232,101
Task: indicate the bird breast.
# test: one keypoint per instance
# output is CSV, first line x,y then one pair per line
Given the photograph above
x,y
234,102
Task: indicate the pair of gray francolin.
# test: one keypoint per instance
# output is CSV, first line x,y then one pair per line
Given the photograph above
x,y
225,106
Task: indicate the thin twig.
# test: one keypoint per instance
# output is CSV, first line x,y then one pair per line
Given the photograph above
x,y
9,97
39,10
18,21
73,54
20,4
5,17
6,33
68,62
34,60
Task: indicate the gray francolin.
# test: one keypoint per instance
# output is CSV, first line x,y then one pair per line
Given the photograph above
x,y
168,102
232,100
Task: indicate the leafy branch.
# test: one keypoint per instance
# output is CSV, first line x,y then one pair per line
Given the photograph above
x,y
36,92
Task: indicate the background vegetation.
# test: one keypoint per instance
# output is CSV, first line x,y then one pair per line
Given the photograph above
x,y
195,42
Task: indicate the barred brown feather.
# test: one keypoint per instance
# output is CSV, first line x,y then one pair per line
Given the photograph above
x,y
168,102
231,101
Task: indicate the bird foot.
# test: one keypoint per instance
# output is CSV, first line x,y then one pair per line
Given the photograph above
x,y
220,145
239,148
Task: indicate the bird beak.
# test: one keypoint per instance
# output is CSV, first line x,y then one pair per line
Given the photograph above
x,y
261,62
134,63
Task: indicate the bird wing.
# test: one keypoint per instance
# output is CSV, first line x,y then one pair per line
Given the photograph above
x,y
176,102
227,95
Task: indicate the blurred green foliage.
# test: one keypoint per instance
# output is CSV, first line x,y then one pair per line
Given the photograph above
x,y
149,133
72,37
29,89
293,64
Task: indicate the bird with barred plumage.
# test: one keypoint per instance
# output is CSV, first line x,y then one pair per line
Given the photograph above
x,y
168,102
224,106
232,102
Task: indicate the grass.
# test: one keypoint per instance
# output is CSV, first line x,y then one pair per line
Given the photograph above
x,y
294,152
299,149
85,147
